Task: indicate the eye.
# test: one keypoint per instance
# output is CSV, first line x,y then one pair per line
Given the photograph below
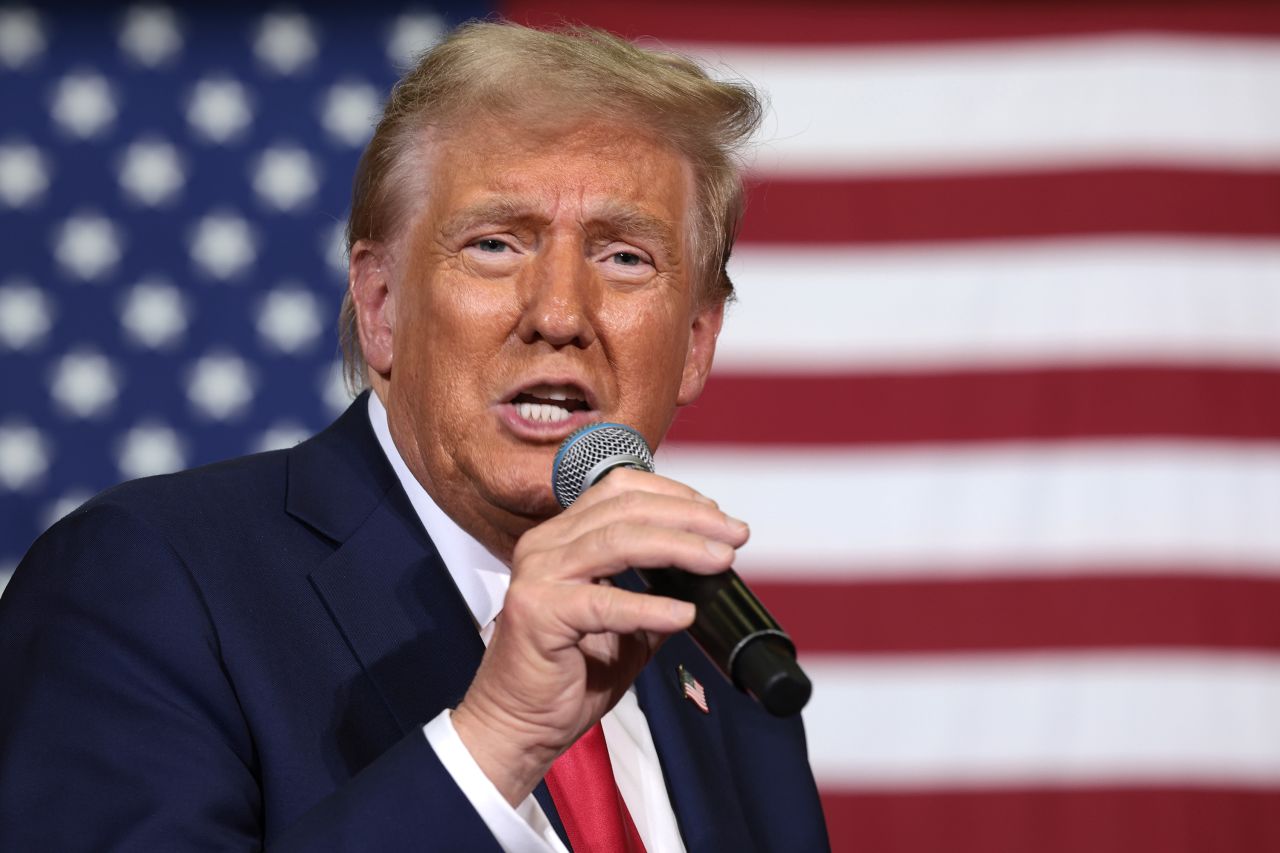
x,y
490,245
627,259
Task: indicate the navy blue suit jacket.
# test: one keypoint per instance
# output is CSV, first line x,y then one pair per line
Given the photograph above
x,y
244,654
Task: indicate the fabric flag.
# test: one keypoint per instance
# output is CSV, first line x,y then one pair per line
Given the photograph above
x,y
1000,396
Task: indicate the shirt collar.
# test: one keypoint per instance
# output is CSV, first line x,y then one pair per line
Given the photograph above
x,y
481,577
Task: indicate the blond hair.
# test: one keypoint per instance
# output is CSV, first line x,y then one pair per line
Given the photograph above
x,y
540,77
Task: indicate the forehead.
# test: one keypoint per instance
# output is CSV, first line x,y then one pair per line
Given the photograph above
x,y
588,170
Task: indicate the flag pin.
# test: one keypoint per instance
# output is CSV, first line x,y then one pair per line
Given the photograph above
x,y
692,689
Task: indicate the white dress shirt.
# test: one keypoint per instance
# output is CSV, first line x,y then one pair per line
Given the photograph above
x,y
482,579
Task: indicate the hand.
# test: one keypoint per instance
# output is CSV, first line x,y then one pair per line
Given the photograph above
x,y
568,644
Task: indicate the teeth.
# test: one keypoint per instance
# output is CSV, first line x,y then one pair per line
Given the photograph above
x,y
558,392
542,412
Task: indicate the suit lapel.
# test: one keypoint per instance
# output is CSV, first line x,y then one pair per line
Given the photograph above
x,y
400,613
385,586
407,623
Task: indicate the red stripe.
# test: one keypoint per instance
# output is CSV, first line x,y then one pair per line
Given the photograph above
x,y
836,22
1046,403
1030,204
1094,611
1097,820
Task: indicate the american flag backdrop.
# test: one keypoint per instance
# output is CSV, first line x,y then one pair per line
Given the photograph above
x,y
1001,396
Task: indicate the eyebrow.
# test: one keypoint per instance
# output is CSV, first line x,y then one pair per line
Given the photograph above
x,y
499,209
623,219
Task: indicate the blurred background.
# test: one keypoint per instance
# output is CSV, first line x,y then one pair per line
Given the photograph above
x,y
1000,398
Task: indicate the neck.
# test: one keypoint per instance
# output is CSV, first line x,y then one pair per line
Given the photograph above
x,y
460,497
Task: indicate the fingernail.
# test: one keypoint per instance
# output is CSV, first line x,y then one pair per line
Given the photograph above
x,y
737,524
719,550
683,611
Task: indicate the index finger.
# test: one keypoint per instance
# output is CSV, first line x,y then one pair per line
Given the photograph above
x,y
622,479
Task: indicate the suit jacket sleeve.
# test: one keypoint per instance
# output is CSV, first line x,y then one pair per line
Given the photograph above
x,y
121,730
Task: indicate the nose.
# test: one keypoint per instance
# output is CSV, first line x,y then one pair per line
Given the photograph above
x,y
557,302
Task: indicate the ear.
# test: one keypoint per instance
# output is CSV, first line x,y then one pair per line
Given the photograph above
x,y
702,349
369,283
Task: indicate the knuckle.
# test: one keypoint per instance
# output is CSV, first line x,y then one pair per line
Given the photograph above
x,y
602,608
613,536
520,600
532,545
630,501
628,475
617,482
529,563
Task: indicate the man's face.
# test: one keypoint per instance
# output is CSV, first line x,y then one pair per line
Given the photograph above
x,y
545,284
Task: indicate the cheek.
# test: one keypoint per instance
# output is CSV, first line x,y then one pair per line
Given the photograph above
x,y
422,344
650,361
455,316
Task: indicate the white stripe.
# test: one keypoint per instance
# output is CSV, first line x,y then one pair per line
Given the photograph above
x,y
1047,507
1205,100
1077,300
969,720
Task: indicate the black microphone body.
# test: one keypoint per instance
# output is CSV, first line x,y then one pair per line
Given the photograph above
x,y
732,627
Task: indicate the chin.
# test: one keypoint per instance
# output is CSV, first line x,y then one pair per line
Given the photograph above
x,y
523,488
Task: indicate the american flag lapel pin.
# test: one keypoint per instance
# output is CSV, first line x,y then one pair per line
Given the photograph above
x,y
692,690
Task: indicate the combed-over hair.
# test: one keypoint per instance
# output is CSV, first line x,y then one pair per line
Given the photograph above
x,y
541,77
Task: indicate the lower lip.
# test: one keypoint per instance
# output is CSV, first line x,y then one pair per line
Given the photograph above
x,y
543,431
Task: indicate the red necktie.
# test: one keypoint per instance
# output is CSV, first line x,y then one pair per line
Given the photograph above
x,y
588,800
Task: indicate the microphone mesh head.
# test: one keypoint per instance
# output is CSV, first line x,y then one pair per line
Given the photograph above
x,y
592,452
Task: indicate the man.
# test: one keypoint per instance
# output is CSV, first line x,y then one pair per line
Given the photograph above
x,y
304,649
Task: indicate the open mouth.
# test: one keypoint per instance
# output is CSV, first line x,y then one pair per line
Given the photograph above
x,y
550,404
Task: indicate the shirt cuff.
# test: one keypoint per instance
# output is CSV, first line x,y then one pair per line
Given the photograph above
x,y
524,829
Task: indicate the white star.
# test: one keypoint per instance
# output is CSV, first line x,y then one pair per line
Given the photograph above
x,y
410,35
21,37
150,35
84,384
220,386
151,171
153,314
289,318
281,436
24,456
332,385
26,314
88,245
84,104
223,245
285,177
349,112
219,109
24,174
70,500
148,449
286,42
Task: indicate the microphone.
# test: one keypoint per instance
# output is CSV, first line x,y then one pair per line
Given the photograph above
x,y
732,626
